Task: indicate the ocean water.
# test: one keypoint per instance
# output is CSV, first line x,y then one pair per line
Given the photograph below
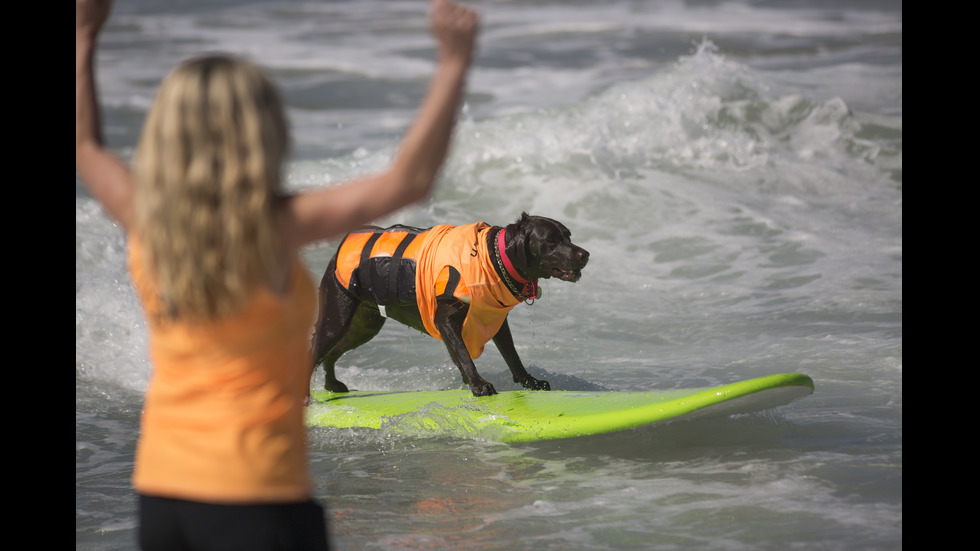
x,y
735,170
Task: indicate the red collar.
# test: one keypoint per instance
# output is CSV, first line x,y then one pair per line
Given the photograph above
x,y
530,287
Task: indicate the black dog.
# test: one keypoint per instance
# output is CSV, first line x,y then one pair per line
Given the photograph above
x,y
457,283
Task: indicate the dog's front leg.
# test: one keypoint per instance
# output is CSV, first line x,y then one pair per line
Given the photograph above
x,y
505,344
449,320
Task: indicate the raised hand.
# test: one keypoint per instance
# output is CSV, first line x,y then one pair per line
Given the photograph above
x,y
455,28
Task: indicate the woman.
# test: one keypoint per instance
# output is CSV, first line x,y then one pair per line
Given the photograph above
x,y
213,252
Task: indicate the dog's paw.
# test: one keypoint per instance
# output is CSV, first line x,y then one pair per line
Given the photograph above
x,y
531,383
484,389
336,386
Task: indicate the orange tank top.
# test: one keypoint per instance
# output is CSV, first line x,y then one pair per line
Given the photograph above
x,y
223,414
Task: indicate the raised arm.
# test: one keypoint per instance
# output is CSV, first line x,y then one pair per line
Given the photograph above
x,y
104,175
319,214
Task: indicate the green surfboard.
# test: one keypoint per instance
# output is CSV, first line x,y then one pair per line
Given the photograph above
x,y
525,416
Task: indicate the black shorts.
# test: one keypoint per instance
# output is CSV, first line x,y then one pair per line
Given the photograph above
x,y
177,525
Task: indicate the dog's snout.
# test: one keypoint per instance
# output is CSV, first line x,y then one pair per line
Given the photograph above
x,y
583,256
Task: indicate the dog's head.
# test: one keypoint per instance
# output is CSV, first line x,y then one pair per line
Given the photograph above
x,y
543,248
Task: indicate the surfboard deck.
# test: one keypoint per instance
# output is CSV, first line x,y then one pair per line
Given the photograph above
x,y
525,416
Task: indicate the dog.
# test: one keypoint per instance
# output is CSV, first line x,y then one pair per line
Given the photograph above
x,y
456,283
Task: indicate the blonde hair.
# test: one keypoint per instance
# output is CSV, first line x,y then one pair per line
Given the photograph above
x,y
207,170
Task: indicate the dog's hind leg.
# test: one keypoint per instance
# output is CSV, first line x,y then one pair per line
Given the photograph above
x,y
363,326
505,344
343,323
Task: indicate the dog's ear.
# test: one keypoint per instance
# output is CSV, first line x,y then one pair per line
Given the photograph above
x,y
522,227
